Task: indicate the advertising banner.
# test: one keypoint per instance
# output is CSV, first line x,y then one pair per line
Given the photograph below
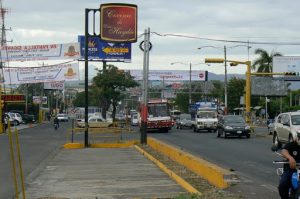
x,y
282,64
268,86
40,52
61,72
99,49
171,75
37,99
118,22
54,85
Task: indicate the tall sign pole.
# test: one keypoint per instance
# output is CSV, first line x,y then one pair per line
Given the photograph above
x,y
86,72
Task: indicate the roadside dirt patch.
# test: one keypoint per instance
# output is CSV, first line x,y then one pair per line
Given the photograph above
x,y
208,191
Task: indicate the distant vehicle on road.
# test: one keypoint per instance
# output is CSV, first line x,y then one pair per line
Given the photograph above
x,y
95,122
62,117
27,118
233,125
134,119
185,121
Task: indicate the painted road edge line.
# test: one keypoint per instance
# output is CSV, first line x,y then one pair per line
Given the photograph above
x,y
173,175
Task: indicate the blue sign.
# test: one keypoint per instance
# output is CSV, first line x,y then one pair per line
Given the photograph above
x,y
99,49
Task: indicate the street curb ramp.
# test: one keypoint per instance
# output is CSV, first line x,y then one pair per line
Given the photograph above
x,y
214,174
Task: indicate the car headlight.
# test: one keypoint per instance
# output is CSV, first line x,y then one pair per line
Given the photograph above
x,y
228,127
247,127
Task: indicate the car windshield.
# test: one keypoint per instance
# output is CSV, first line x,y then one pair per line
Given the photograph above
x,y
206,114
234,119
295,119
185,116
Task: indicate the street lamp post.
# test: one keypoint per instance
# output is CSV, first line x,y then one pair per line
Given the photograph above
x,y
248,80
225,72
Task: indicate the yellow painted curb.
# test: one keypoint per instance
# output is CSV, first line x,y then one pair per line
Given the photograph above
x,y
173,175
214,174
73,146
114,145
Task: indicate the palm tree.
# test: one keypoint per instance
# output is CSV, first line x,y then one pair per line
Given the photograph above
x,y
264,62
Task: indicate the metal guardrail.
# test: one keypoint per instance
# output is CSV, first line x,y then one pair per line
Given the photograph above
x,y
116,134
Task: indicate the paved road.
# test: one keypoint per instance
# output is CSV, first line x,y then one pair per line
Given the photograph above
x,y
250,158
37,144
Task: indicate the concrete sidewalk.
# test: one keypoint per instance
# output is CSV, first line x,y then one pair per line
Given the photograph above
x,y
107,173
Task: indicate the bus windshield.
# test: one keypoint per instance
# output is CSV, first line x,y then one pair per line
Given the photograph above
x,y
158,110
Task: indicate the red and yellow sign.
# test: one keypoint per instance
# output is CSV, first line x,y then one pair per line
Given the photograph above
x,y
118,22
13,98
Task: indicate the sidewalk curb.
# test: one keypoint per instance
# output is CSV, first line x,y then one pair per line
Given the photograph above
x,y
188,187
214,174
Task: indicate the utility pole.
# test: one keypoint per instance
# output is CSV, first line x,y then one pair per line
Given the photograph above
x,y
190,87
225,81
3,11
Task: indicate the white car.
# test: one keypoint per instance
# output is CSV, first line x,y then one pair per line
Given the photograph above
x,y
286,126
17,118
62,117
95,122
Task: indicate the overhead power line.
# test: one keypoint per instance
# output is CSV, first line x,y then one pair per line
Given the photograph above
x,y
225,40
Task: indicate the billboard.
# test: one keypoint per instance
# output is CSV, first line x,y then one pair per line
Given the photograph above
x,y
25,75
283,64
171,75
99,49
54,85
37,99
118,22
40,52
267,86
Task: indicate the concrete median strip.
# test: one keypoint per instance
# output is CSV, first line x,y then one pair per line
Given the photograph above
x,y
174,176
214,174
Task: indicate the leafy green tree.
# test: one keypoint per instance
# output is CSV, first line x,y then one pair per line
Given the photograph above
x,y
110,83
235,91
264,62
182,102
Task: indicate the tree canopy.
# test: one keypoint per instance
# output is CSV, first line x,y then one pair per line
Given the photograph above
x,y
264,63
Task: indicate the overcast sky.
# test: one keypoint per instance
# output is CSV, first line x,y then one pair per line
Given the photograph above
x,y
61,21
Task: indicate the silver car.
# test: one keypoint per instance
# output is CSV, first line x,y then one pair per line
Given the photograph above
x,y
286,126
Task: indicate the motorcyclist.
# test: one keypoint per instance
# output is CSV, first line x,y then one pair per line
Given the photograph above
x,y
56,121
291,152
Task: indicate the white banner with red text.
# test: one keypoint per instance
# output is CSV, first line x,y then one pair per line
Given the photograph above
x,y
171,75
55,73
41,52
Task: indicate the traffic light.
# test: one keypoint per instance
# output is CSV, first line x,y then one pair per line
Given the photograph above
x,y
214,60
291,74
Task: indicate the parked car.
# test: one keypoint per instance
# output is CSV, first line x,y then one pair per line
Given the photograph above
x,y
286,127
62,117
27,118
17,118
9,117
184,120
233,125
95,121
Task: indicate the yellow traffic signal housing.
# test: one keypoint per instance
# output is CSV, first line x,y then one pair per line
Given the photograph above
x,y
291,74
214,60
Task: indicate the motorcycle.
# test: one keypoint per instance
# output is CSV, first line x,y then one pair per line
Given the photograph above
x,y
55,126
294,191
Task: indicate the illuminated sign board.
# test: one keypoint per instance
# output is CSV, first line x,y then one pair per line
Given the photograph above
x,y
118,22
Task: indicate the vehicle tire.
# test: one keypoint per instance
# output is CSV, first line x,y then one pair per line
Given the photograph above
x,y
224,134
177,127
218,133
276,141
180,127
248,136
195,129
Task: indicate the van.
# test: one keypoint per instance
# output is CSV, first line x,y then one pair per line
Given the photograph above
x,y
134,120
